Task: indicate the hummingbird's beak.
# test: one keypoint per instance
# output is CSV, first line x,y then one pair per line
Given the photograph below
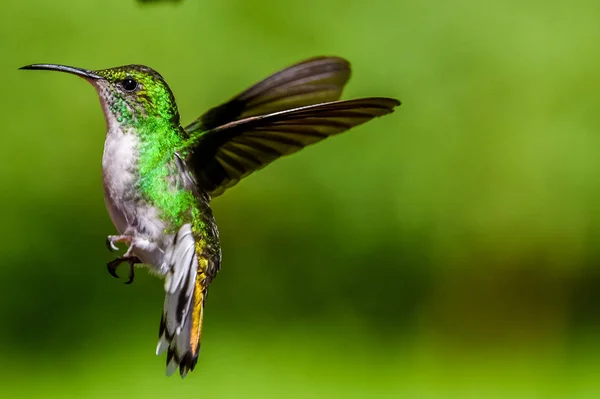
x,y
63,68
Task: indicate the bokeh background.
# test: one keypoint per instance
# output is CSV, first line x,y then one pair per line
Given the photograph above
x,y
450,250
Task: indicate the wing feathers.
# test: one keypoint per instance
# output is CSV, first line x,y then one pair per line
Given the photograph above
x,y
313,81
277,116
231,152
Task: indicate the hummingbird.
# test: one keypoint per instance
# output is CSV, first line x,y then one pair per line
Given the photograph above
x,y
159,177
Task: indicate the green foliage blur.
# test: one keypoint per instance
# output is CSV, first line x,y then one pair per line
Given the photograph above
x,y
449,250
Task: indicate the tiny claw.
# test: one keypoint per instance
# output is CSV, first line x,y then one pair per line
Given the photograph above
x,y
132,262
110,245
112,267
114,264
111,240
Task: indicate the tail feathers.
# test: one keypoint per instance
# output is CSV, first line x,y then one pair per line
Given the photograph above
x,y
183,347
186,286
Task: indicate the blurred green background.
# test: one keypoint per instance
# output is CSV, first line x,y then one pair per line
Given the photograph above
x,y
450,250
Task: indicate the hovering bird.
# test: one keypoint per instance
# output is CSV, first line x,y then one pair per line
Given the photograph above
x,y
159,177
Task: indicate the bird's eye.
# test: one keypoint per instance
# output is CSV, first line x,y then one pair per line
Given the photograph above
x,y
129,84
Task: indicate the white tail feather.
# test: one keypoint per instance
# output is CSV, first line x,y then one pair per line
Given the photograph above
x,y
180,283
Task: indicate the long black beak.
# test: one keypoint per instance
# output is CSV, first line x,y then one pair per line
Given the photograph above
x,y
63,68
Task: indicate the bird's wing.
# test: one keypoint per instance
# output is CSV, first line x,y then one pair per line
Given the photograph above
x,y
313,81
225,154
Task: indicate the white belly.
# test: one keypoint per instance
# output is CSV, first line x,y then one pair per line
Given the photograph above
x,y
129,214
119,177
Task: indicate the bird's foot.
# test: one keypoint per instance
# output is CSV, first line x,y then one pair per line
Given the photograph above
x,y
114,264
112,240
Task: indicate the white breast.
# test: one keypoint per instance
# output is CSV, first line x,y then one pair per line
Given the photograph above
x,y
130,214
119,175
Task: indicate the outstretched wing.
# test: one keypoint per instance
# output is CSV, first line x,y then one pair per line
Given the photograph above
x,y
313,81
227,153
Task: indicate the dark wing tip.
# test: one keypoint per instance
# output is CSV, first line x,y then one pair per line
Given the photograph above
x,y
381,105
322,59
341,63
387,102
